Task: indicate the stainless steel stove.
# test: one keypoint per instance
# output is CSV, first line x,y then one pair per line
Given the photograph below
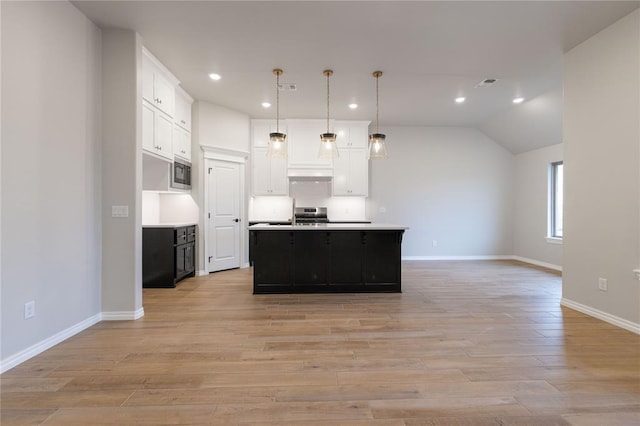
x,y
310,216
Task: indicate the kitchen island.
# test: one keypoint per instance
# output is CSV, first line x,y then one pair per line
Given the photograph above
x,y
326,258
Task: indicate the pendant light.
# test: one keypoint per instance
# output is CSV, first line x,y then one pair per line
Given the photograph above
x,y
377,146
328,147
277,140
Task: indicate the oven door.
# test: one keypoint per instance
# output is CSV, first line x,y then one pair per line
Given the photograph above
x,y
181,175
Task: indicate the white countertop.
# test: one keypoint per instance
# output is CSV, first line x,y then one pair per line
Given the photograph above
x,y
169,225
330,227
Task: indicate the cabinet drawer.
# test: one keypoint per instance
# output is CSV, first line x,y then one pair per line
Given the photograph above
x,y
181,235
191,234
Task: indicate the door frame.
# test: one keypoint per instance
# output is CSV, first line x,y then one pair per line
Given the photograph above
x,y
230,156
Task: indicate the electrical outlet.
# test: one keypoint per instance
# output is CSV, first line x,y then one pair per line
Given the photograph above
x,y
434,243
602,284
30,309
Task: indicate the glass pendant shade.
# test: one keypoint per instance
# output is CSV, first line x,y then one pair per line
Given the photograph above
x,y
277,145
328,147
377,147
277,140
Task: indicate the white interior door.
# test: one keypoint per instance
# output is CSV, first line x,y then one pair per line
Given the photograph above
x,y
223,239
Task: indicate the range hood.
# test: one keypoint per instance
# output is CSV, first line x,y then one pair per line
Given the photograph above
x,y
309,174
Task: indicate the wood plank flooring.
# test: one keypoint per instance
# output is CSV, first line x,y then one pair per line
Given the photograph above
x,y
466,343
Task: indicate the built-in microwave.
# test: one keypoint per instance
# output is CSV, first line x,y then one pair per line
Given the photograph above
x,y
181,174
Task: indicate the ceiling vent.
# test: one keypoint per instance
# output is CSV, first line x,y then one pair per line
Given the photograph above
x,y
487,82
287,87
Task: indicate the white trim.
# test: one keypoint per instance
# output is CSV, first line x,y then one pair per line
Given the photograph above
x,y
611,319
155,61
538,263
123,315
245,265
554,240
224,154
26,354
201,273
489,257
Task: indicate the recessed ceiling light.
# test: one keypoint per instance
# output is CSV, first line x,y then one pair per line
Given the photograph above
x,y
353,106
214,76
518,100
266,105
460,99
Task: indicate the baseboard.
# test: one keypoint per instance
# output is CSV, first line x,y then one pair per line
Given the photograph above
x,y
246,265
201,273
538,263
592,312
489,257
38,348
123,315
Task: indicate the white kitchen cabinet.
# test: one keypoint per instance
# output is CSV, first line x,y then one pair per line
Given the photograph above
x,y
181,143
351,173
304,144
269,174
260,130
352,134
158,85
183,109
157,129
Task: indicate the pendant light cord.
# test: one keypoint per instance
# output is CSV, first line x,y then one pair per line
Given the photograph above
x,y
328,75
278,102
377,104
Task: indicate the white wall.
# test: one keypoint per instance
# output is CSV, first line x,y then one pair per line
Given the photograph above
x,y
530,227
602,163
453,185
51,189
222,128
121,173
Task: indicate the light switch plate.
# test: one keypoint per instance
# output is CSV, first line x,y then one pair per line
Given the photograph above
x,y
119,211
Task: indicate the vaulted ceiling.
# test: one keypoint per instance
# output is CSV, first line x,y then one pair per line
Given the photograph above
x,y
430,52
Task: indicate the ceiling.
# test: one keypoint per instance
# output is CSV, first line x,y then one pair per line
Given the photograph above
x,y
430,53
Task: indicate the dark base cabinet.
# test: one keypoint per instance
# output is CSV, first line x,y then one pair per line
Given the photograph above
x,y
290,261
168,255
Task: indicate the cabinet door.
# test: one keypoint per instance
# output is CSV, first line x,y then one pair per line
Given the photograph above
x,y
358,172
359,136
181,143
342,133
164,94
260,133
148,129
341,173
163,135
183,112
304,143
278,174
261,172
147,81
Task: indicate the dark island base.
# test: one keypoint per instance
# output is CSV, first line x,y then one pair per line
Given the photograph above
x,y
337,261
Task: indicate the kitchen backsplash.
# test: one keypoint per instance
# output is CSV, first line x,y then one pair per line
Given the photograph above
x,y
160,208
307,193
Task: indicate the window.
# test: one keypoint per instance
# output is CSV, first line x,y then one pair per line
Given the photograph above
x,y
556,196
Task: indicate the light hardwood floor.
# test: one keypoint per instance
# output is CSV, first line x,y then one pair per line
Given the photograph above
x,y
466,343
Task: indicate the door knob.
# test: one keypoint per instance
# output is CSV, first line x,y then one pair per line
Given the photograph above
x,y
236,220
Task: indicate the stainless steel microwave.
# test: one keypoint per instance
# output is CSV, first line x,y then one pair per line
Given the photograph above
x,y
181,174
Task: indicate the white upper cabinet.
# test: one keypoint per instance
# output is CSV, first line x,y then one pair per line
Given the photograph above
x,y
304,144
269,174
158,84
157,130
183,109
181,143
352,134
351,173
260,130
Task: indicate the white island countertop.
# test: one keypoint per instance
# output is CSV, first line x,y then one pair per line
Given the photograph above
x,y
329,227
